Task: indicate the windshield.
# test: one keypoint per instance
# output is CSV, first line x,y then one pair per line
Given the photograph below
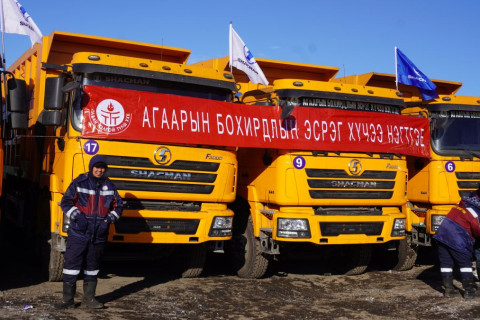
x,y
455,132
145,85
320,99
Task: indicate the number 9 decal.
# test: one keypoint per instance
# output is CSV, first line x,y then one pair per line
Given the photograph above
x,y
299,162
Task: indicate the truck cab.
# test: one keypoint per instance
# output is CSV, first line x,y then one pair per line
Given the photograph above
x,y
88,95
344,202
437,183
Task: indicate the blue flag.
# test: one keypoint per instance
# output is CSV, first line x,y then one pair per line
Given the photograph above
x,y
409,74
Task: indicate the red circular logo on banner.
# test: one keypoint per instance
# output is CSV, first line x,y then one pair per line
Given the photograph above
x,y
109,117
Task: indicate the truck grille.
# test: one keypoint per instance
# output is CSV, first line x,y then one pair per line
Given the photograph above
x,y
137,204
163,187
332,184
140,174
332,229
137,225
348,211
177,164
470,183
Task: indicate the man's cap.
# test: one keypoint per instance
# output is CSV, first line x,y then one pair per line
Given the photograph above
x,y
98,161
100,165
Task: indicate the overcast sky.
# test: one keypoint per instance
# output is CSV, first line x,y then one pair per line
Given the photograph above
x,y
441,37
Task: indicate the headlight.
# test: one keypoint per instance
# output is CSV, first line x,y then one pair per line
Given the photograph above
x,y
293,228
221,227
398,229
436,221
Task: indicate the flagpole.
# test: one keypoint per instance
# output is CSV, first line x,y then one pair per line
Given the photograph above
x,y
230,48
3,115
230,45
3,40
396,69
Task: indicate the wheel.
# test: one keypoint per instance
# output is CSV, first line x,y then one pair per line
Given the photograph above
x,y
194,261
244,251
406,255
356,259
55,266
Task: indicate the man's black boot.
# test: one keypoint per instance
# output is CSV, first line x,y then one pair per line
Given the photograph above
x,y
470,290
89,300
450,290
69,289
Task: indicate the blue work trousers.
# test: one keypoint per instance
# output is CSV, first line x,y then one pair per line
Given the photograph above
x,y
449,257
82,255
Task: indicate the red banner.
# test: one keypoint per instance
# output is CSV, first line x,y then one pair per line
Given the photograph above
x,y
162,118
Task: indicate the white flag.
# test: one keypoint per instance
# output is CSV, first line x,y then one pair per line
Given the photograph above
x,y
17,20
242,59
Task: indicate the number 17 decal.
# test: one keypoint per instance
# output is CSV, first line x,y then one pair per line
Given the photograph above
x,y
91,147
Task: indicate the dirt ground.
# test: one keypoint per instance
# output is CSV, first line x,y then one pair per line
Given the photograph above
x,y
292,289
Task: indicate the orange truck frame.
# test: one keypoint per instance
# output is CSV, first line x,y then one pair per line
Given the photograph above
x,y
453,170
344,203
175,194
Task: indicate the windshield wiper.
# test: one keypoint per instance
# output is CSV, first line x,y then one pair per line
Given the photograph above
x,y
474,153
466,151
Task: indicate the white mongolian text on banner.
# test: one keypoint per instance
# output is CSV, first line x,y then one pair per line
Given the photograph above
x,y
242,59
17,20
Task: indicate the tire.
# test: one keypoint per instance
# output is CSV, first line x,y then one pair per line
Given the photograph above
x,y
56,261
244,251
356,259
194,262
406,255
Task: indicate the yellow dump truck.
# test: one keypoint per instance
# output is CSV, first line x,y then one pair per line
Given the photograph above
x,y
339,200
85,95
437,183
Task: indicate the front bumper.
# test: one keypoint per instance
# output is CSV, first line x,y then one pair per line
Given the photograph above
x,y
173,227
341,229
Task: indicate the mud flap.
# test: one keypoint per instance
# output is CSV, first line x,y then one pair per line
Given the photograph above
x,y
356,259
406,255
56,259
244,251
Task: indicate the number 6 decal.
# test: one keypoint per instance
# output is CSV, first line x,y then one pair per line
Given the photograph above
x,y
450,166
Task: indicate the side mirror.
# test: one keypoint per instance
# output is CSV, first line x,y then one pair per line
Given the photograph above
x,y
18,120
287,109
53,93
72,85
50,118
17,95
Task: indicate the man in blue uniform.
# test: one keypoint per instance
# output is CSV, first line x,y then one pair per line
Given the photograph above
x,y
455,238
91,203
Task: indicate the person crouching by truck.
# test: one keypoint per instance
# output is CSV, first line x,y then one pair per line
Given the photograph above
x,y
91,203
455,242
